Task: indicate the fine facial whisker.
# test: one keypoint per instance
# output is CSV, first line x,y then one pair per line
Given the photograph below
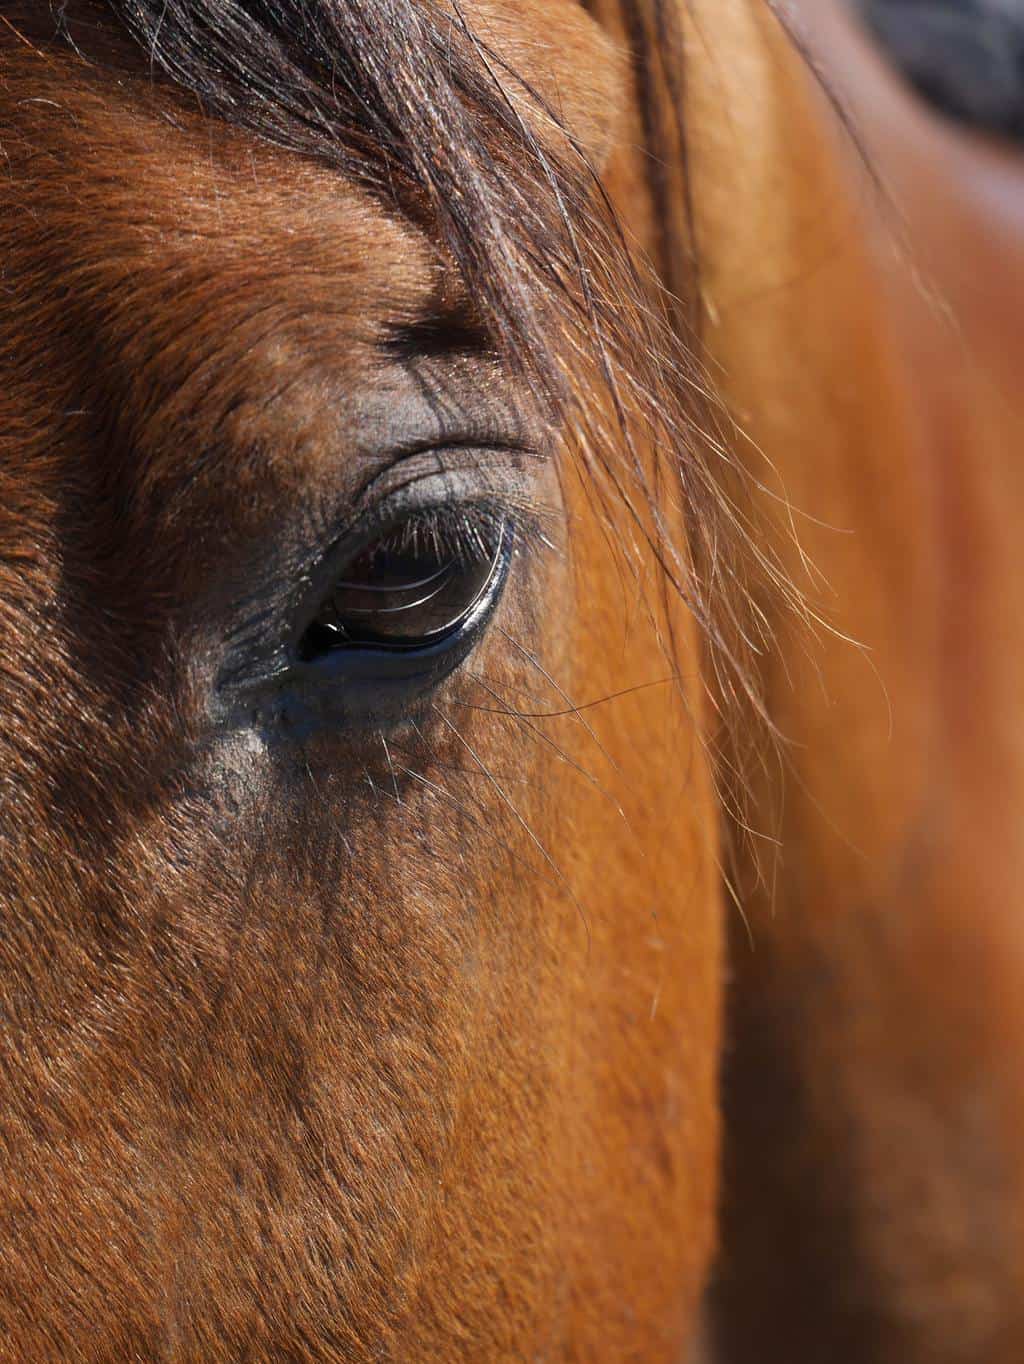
x,y
479,823
536,663
391,768
560,753
573,709
461,771
563,881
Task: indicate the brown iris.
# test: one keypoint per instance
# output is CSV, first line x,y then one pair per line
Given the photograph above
x,y
411,587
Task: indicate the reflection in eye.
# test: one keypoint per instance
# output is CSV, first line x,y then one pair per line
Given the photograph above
x,y
418,583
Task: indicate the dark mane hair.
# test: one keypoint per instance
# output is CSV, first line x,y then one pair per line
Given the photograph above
x,y
404,98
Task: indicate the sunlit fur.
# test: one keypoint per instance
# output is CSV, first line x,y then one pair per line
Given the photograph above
x,y
345,1046
863,303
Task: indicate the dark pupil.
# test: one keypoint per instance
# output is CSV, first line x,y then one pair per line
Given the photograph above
x,y
403,591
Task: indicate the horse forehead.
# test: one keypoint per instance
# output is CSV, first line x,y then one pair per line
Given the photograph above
x,y
184,231
200,294
199,181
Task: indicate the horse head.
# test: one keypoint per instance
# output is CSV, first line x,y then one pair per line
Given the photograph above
x,y
462,465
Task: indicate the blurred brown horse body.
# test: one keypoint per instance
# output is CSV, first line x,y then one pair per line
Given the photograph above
x,y
874,1176
400,1039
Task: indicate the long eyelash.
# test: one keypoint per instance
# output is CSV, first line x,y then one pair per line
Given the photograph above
x,y
466,532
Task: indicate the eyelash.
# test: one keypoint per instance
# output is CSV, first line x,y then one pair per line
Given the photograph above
x,y
463,531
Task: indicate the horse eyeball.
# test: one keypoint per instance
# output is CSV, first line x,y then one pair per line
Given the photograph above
x,y
411,588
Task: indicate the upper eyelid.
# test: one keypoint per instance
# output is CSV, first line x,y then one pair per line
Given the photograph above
x,y
391,494
473,471
512,487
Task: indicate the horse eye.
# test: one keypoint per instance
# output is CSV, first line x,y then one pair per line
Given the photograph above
x,y
416,585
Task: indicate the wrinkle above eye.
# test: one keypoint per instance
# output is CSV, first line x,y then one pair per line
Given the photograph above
x,y
431,402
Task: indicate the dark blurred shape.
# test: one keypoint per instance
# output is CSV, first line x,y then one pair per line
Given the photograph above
x,y
964,56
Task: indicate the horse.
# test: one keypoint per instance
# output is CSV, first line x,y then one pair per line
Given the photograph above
x,y
865,319
503,508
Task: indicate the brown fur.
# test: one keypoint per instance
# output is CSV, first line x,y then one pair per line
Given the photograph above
x,y
342,1049
312,1052
868,334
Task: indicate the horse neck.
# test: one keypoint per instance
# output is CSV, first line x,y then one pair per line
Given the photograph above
x,y
860,305
859,319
